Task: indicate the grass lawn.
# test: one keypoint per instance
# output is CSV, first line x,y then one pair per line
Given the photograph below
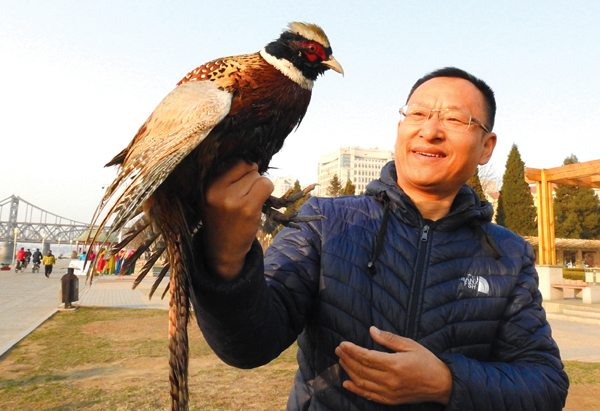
x,y
114,359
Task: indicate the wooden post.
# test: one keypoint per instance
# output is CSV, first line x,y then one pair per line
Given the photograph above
x,y
585,174
544,238
550,232
540,214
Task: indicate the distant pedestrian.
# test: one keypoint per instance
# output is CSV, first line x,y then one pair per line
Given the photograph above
x,y
49,261
21,255
82,257
119,261
21,260
37,256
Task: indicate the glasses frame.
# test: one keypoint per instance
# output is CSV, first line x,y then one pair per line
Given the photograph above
x,y
471,118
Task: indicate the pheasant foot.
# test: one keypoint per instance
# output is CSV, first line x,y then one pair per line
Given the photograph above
x,y
290,197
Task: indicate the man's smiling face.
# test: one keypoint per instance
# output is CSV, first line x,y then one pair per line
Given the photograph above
x,y
432,160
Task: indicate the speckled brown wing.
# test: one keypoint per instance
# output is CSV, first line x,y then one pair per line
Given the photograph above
x,y
180,122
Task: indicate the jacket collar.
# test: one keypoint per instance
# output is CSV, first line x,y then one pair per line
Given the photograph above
x,y
466,208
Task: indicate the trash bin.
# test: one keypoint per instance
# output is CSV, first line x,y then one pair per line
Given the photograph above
x,y
69,287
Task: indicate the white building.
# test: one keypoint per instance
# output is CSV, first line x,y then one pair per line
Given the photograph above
x,y
282,185
360,165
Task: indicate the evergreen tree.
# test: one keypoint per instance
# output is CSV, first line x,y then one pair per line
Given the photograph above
x,y
293,208
576,210
335,187
516,210
475,183
349,189
500,215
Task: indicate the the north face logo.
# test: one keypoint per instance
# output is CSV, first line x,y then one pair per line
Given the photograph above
x,y
474,282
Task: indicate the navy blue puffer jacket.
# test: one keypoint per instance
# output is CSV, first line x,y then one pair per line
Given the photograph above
x,y
443,284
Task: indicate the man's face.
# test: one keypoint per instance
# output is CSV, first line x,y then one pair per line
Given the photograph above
x,y
432,160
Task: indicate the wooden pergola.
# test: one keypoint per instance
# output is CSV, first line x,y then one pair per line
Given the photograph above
x,y
581,174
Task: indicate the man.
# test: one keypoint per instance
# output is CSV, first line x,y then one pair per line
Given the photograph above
x,y
21,256
49,261
37,260
408,295
37,256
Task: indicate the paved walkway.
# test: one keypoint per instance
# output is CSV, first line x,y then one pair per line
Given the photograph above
x,y
27,300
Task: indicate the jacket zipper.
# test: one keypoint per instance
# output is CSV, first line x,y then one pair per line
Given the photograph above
x,y
417,283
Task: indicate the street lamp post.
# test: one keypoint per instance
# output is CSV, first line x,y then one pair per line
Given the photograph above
x,y
15,246
43,239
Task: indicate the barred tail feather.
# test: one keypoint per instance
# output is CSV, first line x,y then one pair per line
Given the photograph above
x,y
159,279
146,268
131,260
178,338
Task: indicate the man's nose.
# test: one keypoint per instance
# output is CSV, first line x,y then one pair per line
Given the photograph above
x,y
432,128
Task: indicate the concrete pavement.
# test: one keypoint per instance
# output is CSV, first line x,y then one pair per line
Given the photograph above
x,y
27,300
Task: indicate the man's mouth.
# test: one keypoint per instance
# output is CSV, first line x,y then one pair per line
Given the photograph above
x,y
429,154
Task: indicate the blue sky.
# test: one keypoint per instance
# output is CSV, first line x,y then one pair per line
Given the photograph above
x,y
78,78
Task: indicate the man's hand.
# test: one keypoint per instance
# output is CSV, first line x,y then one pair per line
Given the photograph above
x,y
409,375
231,217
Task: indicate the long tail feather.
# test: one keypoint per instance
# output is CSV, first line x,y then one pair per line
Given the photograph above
x,y
171,218
159,279
146,268
131,260
162,297
133,232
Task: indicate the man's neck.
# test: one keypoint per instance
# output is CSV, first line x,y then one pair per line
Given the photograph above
x,y
431,206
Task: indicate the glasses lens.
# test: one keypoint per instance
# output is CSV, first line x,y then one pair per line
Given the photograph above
x,y
450,119
415,114
455,120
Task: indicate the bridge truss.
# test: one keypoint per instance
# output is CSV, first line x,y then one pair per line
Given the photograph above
x,y
35,225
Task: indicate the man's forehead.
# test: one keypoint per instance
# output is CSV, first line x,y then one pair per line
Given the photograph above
x,y
450,92
454,88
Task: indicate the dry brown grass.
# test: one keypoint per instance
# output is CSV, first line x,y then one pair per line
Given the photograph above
x,y
111,359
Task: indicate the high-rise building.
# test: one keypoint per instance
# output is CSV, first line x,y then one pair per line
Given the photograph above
x,y
360,165
281,185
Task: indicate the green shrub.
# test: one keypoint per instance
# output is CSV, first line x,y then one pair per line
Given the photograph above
x,y
574,274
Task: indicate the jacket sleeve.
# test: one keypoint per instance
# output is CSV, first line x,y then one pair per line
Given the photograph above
x,y
526,372
249,321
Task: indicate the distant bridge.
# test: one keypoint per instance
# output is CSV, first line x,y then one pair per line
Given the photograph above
x,y
32,224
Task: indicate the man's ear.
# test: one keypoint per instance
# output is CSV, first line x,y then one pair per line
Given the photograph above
x,y
489,143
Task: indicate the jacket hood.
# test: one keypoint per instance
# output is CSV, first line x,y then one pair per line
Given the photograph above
x,y
467,207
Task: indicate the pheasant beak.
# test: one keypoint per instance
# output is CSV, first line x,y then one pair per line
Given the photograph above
x,y
333,64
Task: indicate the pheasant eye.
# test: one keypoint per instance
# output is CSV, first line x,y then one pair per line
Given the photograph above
x,y
314,48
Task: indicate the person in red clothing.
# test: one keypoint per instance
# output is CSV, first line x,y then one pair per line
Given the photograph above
x,y
21,257
21,254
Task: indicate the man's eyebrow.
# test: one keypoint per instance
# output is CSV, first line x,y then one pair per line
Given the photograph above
x,y
448,107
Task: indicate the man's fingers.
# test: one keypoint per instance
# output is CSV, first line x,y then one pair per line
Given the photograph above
x,y
356,357
240,185
393,341
260,190
366,393
364,377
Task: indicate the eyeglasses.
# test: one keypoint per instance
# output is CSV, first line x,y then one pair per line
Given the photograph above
x,y
450,119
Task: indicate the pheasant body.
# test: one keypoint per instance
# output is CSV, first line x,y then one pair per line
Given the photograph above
x,y
230,109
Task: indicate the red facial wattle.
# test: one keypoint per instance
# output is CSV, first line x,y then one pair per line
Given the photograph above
x,y
314,50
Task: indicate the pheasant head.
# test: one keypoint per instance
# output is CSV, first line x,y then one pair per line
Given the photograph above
x,y
302,53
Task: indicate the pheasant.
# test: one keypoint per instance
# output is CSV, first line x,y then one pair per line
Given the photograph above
x,y
230,109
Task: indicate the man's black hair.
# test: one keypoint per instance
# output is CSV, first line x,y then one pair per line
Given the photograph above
x,y
481,85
